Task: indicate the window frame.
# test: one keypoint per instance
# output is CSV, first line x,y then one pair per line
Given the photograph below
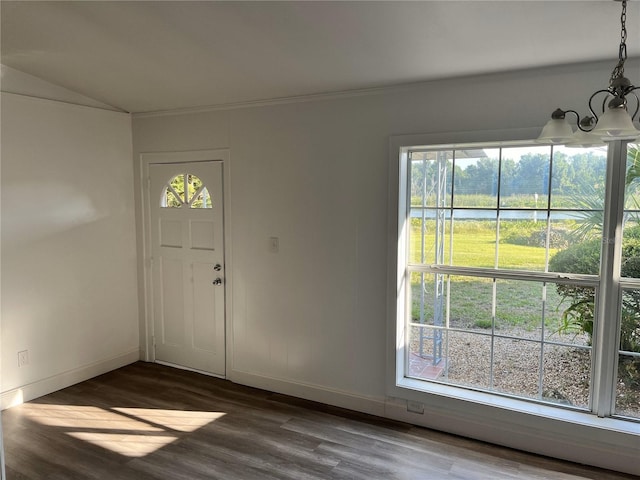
x,y
609,289
185,200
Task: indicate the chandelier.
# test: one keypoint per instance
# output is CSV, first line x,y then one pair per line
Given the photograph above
x,y
614,122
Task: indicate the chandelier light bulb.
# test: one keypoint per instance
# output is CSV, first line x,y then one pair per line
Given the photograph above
x,y
616,124
581,139
557,130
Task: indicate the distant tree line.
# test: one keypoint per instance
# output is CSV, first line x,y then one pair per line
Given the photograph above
x,y
570,175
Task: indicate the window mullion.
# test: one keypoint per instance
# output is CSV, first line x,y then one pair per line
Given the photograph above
x,y
606,328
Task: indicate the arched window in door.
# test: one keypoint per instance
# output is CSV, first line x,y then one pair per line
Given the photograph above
x,y
185,189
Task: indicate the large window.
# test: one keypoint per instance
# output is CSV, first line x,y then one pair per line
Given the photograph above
x,y
514,279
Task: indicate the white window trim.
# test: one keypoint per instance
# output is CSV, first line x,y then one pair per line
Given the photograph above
x,y
487,416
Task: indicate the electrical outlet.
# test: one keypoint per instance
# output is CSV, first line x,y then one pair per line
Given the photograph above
x,y
415,407
23,358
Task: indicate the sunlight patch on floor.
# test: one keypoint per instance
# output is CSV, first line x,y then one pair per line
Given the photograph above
x,y
129,445
183,421
84,417
132,432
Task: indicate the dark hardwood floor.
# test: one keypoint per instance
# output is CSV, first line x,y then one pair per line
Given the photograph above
x,y
147,421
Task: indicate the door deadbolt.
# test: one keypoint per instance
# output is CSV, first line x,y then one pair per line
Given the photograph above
x,y
217,267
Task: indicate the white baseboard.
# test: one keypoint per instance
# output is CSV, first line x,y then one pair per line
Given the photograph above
x,y
188,369
316,393
62,380
580,443
575,442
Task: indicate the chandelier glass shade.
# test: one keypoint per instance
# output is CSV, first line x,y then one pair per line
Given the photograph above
x,y
620,107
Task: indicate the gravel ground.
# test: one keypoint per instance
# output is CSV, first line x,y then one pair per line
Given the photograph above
x,y
564,376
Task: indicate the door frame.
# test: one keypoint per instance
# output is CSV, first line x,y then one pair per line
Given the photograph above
x,y
147,324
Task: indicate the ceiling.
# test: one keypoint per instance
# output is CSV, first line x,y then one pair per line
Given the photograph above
x,y
161,55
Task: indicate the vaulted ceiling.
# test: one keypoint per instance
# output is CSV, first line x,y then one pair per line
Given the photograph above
x,y
161,55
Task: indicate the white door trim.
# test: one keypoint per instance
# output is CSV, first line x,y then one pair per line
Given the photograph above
x,y
219,155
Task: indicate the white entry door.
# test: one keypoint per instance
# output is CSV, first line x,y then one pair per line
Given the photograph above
x,y
188,264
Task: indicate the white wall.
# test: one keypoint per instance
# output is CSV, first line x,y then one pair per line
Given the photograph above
x,y
311,320
68,245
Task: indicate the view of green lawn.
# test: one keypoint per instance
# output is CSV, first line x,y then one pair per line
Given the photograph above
x,y
518,303
475,244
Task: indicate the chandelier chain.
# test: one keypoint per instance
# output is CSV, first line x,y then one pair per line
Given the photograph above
x,y
618,71
623,23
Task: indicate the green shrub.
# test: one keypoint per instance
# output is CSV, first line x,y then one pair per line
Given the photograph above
x,y
532,234
584,258
518,228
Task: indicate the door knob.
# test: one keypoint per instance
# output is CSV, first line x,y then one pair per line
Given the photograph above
x,y
217,267
217,281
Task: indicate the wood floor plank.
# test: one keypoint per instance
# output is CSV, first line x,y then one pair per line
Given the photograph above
x,y
151,422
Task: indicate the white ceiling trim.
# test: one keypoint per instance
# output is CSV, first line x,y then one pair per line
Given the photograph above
x,y
389,89
283,100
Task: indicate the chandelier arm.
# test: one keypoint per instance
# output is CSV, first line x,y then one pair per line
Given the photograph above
x,y
575,113
593,113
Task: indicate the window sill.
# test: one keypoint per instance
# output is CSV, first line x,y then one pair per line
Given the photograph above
x,y
420,391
